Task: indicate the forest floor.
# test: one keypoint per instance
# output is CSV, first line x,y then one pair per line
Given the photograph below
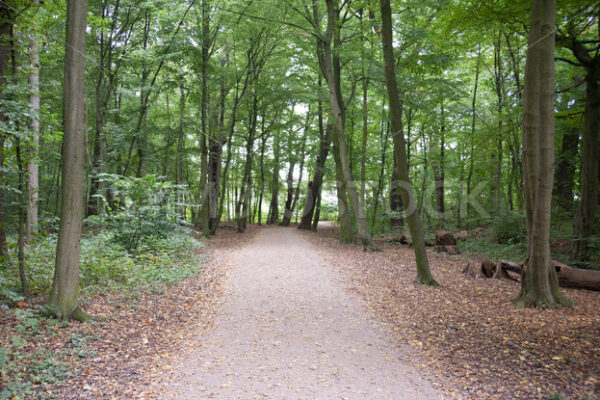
x,y
280,313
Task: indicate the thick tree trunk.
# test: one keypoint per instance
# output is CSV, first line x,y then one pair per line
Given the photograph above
x,y
414,222
331,68
33,174
586,224
539,285
62,302
565,169
344,218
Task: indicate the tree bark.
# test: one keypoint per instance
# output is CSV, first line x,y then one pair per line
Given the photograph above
x,y
180,149
565,169
273,217
5,44
314,187
62,301
33,174
205,198
414,222
539,285
293,194
330,66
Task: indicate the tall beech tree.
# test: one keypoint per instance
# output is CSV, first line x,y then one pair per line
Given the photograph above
x,y
408,198
539,283
62,302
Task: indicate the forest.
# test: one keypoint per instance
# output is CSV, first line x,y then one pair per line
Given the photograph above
x,y
133,132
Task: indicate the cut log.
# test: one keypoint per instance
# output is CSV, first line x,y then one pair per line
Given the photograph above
x,y
444,238
473,269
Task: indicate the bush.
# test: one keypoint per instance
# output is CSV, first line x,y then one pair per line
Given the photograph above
x,y
509,228
145,210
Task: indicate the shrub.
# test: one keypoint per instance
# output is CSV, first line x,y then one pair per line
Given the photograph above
x,y
509,228
144,212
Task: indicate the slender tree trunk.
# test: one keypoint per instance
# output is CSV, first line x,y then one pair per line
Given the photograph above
x,y
62,302
205,199
293,194
6,12
472,142
274,206
180,150
439,171
33,174
242,208
414,222
314,187
22,221
539,284
384,139
215,158
261,193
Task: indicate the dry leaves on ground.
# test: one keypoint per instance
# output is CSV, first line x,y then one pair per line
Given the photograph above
x,y
141,334
468,332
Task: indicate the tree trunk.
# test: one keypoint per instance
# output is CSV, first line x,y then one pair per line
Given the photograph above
x,y
180,150
414,222
472,142
22,220
33,174
62,301
274,206
565,169
539,285
6,12
346,228
586,224
314,186
289,208
331,68
206,42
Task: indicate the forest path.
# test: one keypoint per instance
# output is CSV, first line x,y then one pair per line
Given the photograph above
x,y
287,328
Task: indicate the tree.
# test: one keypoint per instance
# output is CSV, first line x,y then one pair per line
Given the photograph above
x,y
539,284
62,302
587,55
408,198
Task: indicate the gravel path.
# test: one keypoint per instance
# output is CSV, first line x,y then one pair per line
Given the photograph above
x,y
287,328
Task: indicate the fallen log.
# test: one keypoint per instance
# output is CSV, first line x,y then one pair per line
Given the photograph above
x,y
568,276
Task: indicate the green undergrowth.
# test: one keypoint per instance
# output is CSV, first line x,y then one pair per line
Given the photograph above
x,y
28,362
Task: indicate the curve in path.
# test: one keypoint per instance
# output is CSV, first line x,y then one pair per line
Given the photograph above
x,y
288,329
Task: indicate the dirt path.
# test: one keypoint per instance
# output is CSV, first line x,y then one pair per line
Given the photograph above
x,y
288,329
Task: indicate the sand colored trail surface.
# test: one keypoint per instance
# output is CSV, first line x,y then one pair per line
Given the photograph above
x,y
287,328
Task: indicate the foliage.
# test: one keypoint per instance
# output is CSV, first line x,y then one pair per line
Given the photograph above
x,y
509,228
143,213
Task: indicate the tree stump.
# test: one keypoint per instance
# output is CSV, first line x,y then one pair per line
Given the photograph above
x,y
444,238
